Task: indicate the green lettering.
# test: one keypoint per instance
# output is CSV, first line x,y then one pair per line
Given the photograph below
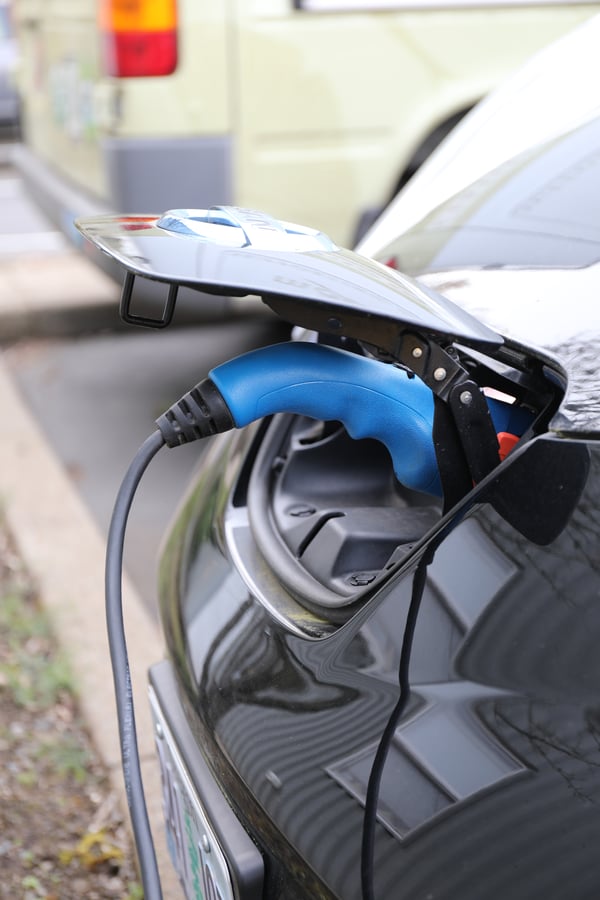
x,y
194,858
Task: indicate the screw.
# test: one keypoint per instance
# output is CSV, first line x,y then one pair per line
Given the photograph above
x,y
334,323
159,731
205,843
439,374
417,352
466,398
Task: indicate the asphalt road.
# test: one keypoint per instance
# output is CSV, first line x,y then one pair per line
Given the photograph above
x,y
96,396
96,399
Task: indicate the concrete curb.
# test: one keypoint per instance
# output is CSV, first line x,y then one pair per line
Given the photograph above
x,y
36,300
64,551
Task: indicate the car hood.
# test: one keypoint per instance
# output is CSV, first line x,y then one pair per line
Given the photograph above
x,y
556,90
520,250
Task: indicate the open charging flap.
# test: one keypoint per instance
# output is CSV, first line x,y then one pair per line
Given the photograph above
x,y
311,282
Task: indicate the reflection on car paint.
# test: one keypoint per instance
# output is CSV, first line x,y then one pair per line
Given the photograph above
x,y
502,725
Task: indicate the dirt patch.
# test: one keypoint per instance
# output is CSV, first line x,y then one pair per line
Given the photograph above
x,y
62,834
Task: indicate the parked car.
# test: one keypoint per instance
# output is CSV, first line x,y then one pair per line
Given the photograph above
x,y
378,686
9,98
315,110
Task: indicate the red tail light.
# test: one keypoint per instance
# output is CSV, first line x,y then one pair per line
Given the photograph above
x,y
139,37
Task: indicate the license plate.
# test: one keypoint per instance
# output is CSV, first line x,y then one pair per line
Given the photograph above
x,y
195,851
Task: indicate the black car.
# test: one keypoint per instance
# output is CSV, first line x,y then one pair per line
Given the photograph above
x,y
386,686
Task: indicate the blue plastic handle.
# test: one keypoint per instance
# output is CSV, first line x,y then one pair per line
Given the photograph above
x,y
371,398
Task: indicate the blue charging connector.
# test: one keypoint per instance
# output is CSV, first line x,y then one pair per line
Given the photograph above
x,y
371,398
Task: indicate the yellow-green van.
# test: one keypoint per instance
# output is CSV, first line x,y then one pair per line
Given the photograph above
x,y
314,110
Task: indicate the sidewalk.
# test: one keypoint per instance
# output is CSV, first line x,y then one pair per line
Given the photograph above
x,y
51,294
46,286
55,294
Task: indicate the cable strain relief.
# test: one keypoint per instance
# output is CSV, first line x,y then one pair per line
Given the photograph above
x,y
200,413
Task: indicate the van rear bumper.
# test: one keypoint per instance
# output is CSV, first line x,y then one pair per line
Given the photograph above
x,y
144,176
150,175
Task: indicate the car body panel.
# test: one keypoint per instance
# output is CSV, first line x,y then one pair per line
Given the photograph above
x,y
491,783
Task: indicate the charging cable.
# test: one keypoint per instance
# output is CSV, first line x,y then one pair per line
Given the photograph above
x,y
130,759
370,398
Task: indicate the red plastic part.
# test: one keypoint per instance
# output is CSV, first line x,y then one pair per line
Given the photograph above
x,y
506,442
135,54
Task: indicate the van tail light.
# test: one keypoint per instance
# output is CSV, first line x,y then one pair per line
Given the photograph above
x,y
139,37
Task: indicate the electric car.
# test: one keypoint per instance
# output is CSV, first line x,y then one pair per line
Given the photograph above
x,y
381,595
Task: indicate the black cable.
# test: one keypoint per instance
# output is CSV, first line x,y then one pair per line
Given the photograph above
x,y
375,776
120,665
201,413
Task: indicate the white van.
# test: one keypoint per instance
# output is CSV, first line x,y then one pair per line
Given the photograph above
x,y
314,110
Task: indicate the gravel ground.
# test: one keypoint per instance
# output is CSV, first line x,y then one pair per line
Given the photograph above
x,y
62,834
